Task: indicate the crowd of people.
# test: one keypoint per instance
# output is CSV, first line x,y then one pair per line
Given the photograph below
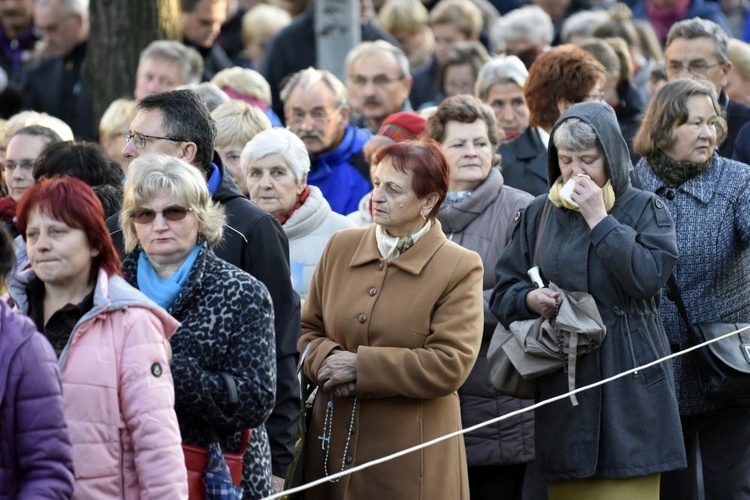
x,y
163,267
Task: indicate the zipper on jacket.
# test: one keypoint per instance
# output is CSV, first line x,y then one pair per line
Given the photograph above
x,y
122,466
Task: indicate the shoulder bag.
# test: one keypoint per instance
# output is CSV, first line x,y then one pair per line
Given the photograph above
x,y
295,474
503,375
196,457
724,365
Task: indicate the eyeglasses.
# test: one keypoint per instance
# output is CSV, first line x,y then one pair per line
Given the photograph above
x,y
319,116
694,67
594,97
379,81
139,140
172,214
11,165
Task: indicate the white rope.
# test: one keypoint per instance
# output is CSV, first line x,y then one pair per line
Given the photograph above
x,y
501,418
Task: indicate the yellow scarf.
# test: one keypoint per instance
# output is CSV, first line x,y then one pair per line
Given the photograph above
x,y
608,193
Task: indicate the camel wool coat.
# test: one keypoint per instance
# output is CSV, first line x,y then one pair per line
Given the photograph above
x,y
415,323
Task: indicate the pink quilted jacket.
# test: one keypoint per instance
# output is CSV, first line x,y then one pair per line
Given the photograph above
x,y
119,396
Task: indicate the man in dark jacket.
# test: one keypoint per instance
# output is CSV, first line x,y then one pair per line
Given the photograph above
x,y
56,85
201,24
178,123
698,48
293,49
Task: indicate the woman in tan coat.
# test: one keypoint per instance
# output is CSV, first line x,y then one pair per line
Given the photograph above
x,y
394,324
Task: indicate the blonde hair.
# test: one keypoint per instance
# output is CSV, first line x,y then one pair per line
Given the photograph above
x,y
739,54
244,81
153,174
265,20
117,117
238,122
26,118
409,16
462,14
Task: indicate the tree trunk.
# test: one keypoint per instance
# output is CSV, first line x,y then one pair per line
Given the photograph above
x,y
120,30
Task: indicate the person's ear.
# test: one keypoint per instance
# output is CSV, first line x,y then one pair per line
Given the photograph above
x,y
189,151
301,184
429,203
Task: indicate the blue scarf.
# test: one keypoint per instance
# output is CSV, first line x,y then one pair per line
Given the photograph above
x,y
160,290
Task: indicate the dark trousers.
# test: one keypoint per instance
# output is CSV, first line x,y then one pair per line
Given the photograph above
x,y
723,438
494,482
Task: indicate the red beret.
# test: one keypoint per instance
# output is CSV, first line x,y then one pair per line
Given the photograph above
x,y
403,126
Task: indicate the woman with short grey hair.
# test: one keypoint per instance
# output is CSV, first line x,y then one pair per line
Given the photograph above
x,y
275,164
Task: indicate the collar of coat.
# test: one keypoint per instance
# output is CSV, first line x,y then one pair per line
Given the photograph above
x,y
702,187
412,261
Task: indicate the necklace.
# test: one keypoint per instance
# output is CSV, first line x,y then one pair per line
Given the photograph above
x,y
325,439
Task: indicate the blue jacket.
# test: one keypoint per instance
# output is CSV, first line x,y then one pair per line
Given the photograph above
x,y
342,174
712,218
631,427
36,458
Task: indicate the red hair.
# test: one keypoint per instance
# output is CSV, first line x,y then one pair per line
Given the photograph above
x,y
426,162
73,202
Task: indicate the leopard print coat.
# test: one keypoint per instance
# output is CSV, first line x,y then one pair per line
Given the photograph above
x,y
226,320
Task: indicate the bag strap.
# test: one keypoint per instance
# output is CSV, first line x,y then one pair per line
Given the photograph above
x,y
543,219
233,402
676,296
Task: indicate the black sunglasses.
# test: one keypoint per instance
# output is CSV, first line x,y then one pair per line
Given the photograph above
x,y
147,216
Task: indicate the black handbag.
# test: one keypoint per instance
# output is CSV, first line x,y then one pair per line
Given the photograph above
x,y
723,366
295,474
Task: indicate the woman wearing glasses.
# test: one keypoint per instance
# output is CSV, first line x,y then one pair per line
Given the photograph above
x,y
170,225
111,344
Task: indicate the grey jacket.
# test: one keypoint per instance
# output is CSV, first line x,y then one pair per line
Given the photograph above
x,y
630,427
483,223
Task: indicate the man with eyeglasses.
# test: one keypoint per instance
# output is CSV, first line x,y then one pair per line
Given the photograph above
x,y
56,85
316,110
378,82
24,147
178,123
699,49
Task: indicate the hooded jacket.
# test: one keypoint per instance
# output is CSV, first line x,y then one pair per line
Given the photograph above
x,y
342,175
630,427
119,396
36,459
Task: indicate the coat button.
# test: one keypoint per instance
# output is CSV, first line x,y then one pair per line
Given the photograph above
x,y
658,204
362,318
670,195
372,291
349,459
380,266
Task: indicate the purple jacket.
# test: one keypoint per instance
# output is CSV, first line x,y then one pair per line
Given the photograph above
x,y
35,454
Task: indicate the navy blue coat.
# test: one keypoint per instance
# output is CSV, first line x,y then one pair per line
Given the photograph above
x,y
630,427
525,162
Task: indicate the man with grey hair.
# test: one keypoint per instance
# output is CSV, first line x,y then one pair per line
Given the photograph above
x,y
378,80
698,48
165,65
56,85
316,110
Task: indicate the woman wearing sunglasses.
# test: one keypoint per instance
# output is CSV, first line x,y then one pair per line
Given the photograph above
x,y
170,224
111,345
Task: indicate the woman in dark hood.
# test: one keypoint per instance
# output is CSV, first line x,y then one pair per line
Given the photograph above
x,y
616,243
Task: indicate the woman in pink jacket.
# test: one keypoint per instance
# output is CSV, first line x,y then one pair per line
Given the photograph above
x,y
112,347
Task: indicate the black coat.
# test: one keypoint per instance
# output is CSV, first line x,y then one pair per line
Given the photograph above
x,y
293,49
57,86
424,84
737,115
525,162
255,242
